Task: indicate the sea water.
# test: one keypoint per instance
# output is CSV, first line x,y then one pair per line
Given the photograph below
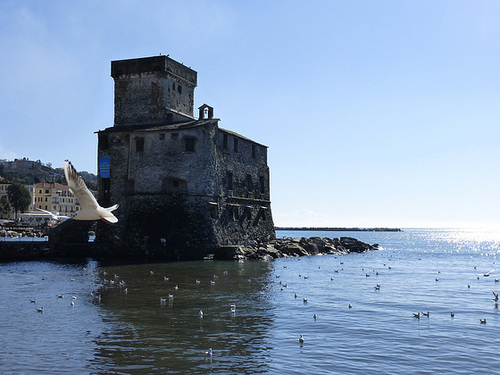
x,y
355,311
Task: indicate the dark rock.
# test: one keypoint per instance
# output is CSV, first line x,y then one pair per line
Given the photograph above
x,y
229,253
269,251
293,250
355,246
294,247
311,248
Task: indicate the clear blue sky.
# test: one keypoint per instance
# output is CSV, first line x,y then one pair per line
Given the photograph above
x,y
376,113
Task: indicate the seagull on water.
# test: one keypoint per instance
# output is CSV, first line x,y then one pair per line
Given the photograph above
x,y
90,209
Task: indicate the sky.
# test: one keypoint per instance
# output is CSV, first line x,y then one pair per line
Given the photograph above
x,y
377,113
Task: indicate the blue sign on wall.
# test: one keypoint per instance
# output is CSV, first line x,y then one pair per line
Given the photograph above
x,y
104,166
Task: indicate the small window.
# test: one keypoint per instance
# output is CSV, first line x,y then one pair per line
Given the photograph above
x,y
103,141
262,214
224,141
189,144
179,89
235,213
248,214
173,185
162,137
139,145
129,185
106,189
262,184
235,144
174,136
249,182
229,180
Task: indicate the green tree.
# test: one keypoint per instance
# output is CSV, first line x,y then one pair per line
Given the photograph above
x,y
4,206
19,197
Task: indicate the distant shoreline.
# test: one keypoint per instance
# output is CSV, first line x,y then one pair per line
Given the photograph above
x,y
337,229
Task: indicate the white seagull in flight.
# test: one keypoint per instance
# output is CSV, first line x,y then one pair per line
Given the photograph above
x,y
55,217
90,209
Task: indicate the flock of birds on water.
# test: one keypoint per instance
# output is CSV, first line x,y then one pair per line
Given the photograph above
x,y
115,280
377,287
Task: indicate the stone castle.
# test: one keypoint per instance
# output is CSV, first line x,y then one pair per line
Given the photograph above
x,y
185,186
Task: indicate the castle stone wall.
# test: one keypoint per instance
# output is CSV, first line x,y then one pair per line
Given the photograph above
x,y
185,187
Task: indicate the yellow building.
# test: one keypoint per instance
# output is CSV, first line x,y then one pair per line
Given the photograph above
x,y
56,198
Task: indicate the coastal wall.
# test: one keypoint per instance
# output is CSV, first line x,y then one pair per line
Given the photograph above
x,y
280,248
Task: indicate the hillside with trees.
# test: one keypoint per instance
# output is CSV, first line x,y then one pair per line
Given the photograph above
x,y
29,172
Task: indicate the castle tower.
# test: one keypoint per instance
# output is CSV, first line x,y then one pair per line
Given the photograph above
x,y
152,90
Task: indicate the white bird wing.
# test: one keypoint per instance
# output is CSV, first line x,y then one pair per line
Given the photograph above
x,y
78,187
47,212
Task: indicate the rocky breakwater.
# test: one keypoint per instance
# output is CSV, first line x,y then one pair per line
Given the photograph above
x,y
22,232
292,247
